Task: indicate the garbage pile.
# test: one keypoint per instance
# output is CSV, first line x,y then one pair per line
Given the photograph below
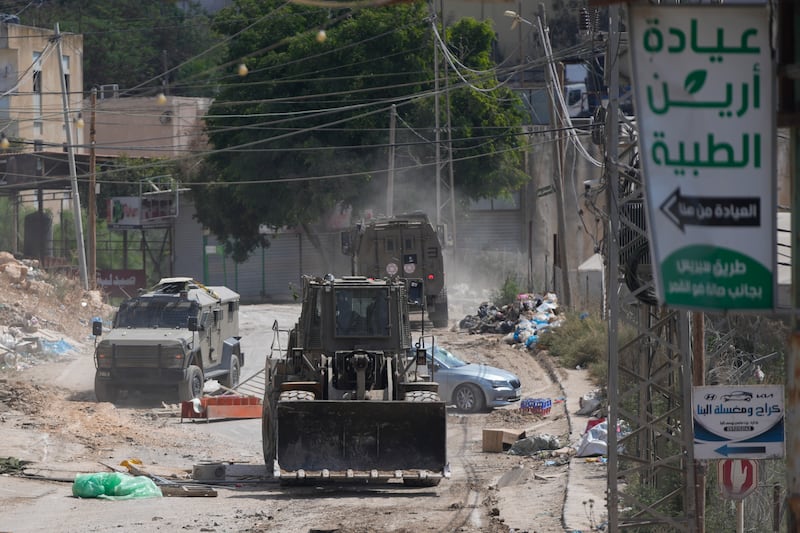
x,y
19,351
520,322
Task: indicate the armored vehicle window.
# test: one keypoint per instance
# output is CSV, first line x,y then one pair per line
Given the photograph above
x,y
390,245
362,313
410,243
150,313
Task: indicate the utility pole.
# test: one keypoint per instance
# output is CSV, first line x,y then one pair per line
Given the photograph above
x,y
451,179
437,134
92,194
76,200
699,379
556,124
390,177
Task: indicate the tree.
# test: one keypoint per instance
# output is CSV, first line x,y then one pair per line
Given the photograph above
x,y
131,42
307,129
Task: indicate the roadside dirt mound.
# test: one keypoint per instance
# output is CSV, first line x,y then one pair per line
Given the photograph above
x,y
32,300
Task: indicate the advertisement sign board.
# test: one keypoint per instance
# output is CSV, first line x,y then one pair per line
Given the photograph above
x,y
738,421
704,84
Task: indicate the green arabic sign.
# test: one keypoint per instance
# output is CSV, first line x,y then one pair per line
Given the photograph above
x,y
704,108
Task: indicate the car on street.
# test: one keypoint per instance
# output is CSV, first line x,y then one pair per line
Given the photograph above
x,y
472,387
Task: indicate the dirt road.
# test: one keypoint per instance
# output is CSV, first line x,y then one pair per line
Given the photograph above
x,y
48,416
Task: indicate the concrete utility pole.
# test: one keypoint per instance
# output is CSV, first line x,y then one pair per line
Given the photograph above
x,y
92,194
390,176
76,200
556,124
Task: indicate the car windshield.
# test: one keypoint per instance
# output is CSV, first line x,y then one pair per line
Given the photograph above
x,y
149,313
446,359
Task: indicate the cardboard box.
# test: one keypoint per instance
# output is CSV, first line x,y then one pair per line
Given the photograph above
x,y
501,439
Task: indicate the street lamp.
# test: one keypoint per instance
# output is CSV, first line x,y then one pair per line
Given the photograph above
x,y
517,18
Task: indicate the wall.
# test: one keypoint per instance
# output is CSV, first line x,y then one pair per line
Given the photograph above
x,y
17,46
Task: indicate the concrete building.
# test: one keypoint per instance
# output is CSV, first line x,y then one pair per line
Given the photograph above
x,y
31,104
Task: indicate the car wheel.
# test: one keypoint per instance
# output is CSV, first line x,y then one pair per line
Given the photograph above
x,y
468,398
192,386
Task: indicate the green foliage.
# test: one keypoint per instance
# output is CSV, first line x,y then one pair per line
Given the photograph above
x,y
577,341
508,293
7,222
128,41
338,95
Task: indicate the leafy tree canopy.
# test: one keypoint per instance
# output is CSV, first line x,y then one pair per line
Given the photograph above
x,y
133,42
307,129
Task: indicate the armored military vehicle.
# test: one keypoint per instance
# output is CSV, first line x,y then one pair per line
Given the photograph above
x,y
173,338
406,246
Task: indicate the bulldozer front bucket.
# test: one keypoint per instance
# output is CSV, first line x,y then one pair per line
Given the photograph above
x,y
350,438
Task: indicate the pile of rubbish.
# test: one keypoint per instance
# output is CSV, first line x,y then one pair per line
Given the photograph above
x,y
19,350
521,321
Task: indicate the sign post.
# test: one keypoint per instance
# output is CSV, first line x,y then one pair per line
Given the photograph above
x,y
706,120
738,478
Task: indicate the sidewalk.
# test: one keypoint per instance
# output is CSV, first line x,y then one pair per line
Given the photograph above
x,y
585,501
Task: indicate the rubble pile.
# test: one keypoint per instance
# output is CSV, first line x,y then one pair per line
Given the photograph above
x,y
42,316
520,322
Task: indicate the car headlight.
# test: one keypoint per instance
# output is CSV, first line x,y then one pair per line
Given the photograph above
x,y
500,384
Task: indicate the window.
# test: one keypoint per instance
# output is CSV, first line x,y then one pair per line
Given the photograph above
x,y
362,313
38,126
65,64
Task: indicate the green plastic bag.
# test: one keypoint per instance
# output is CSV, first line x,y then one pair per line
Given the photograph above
x,y
114,486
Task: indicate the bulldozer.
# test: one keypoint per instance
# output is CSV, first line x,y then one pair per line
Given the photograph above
x,y
351,398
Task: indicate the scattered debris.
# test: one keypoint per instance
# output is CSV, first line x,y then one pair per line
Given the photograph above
x,y
520,322
534,444
12,465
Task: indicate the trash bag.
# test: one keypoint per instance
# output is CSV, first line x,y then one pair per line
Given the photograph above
x,y
114,486
533,444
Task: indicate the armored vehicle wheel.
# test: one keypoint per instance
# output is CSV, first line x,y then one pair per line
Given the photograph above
x,y
192,386
231,379
468,398
105,391
440,318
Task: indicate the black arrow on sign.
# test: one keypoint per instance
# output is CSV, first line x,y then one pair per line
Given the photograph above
x,y
711,210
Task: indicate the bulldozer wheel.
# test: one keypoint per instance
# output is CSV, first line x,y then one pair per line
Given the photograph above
x,y
192,386
268,433
422,396
297,396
